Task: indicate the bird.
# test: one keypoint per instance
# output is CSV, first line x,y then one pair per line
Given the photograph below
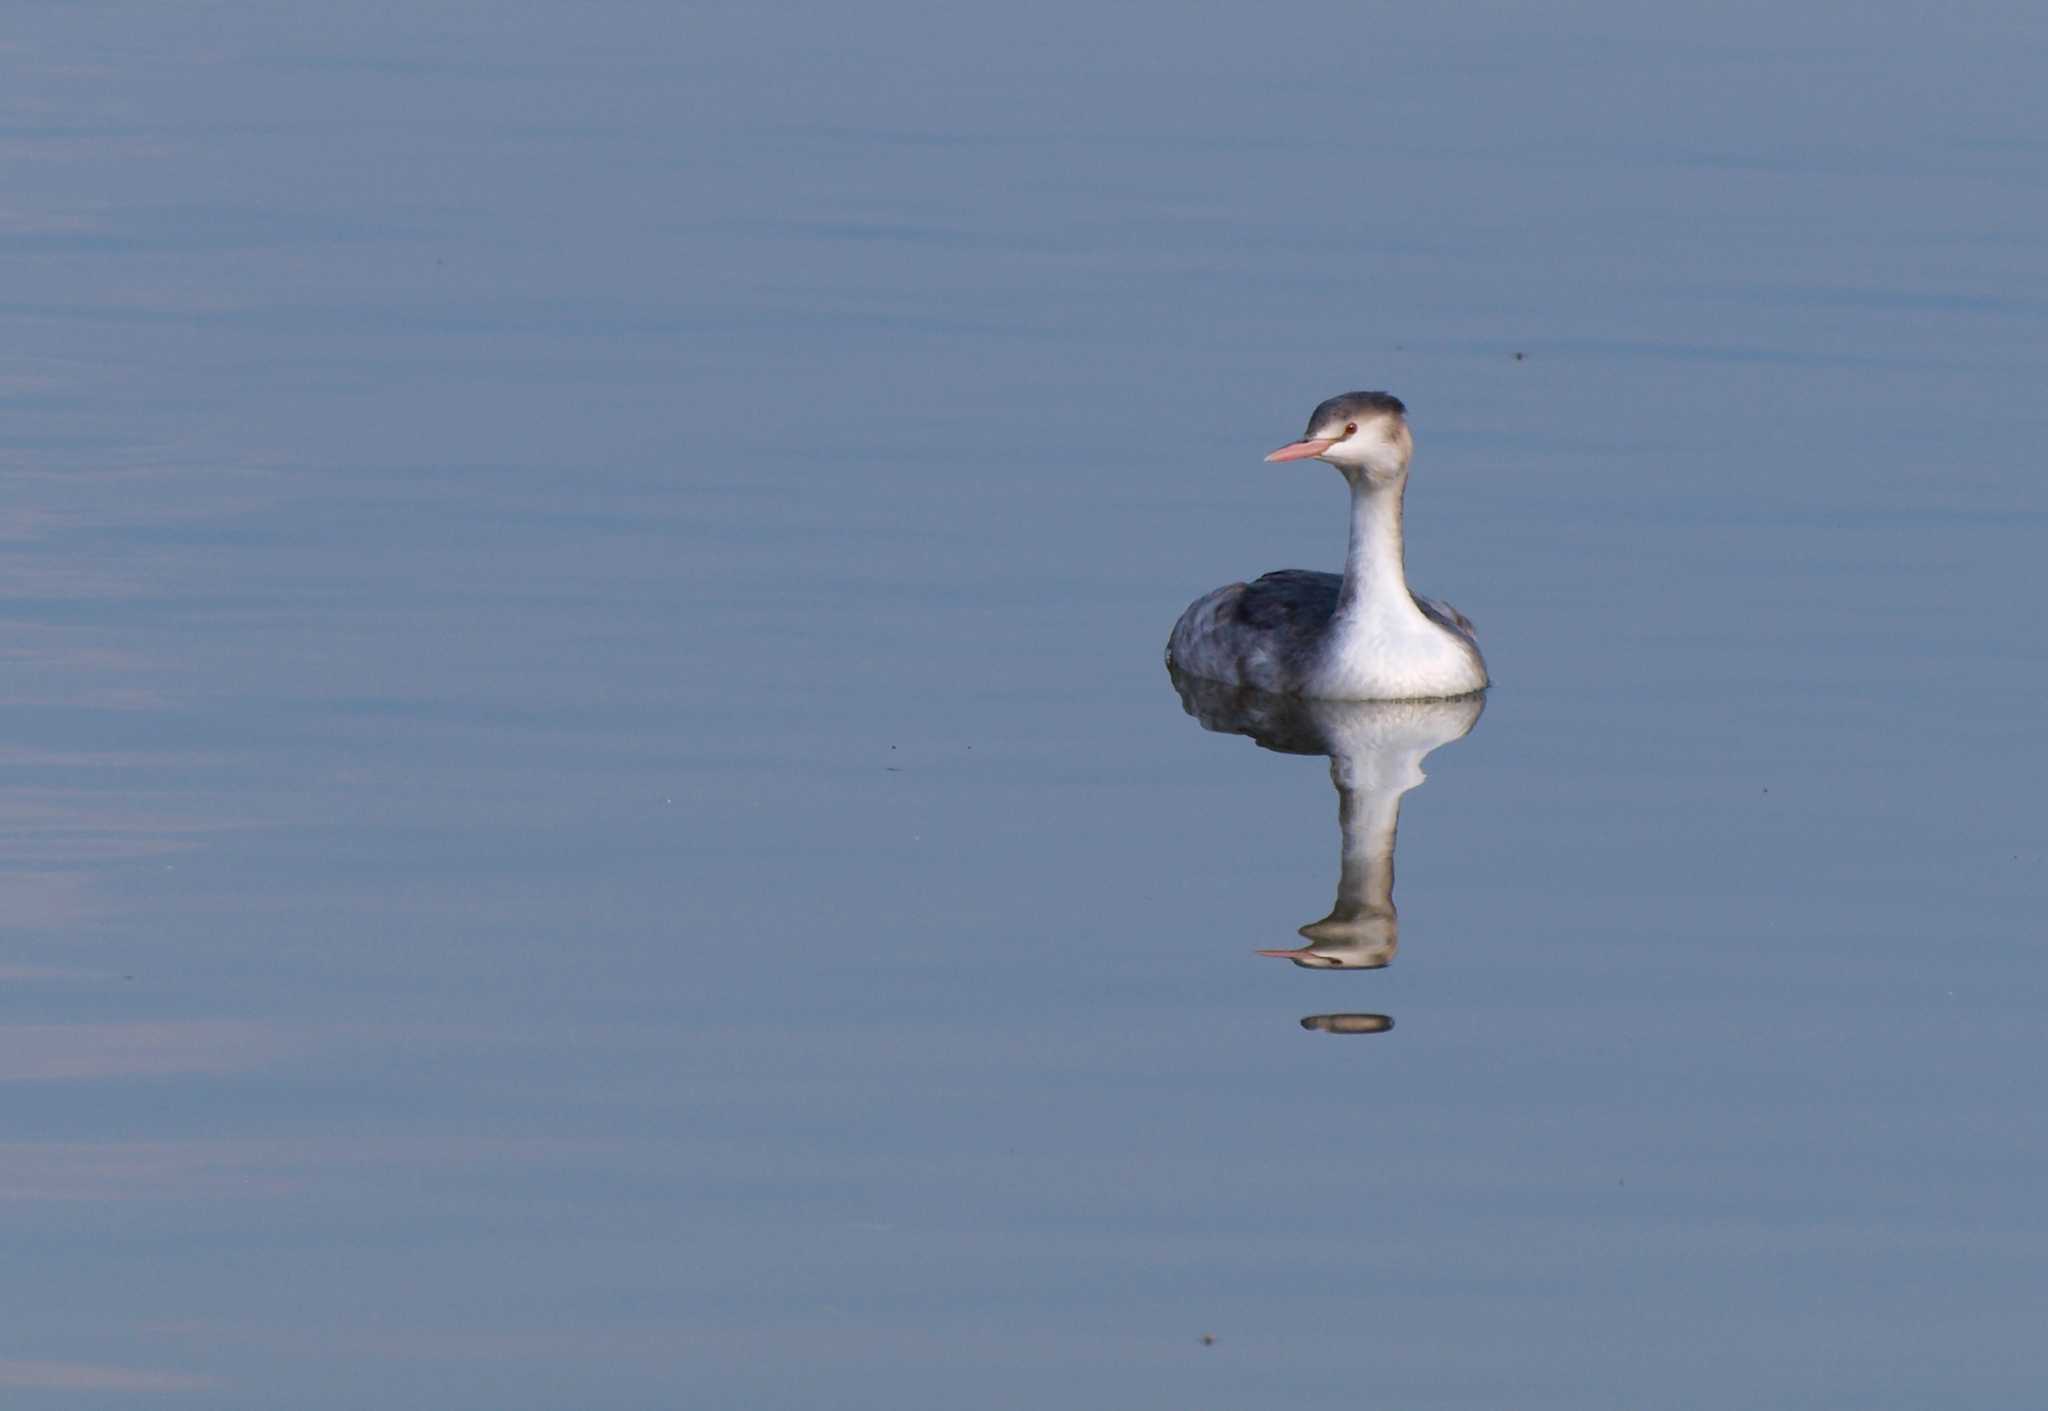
x,y
1361,636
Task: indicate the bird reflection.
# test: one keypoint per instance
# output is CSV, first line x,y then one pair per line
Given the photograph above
x,y
1376,749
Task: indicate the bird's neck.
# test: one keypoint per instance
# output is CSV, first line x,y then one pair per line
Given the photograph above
x,y
1374,583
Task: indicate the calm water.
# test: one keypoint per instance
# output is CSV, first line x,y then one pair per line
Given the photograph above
x,y
592,814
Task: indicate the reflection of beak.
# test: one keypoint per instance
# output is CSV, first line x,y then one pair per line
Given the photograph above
x,y
1302,450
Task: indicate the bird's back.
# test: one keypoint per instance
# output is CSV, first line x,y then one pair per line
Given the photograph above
x,y
1264,633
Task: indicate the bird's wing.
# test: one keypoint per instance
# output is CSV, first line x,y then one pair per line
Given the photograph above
x,y
1293,598
1444,615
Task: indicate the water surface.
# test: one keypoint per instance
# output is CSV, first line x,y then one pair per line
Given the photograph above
x,y
592,812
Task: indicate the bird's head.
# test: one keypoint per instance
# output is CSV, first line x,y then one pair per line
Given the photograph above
x,y
1361,433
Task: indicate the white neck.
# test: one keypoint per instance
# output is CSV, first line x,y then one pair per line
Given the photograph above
x,y
1381,646
1375,584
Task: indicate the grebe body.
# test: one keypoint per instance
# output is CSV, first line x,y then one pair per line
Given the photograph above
x,y
1359,636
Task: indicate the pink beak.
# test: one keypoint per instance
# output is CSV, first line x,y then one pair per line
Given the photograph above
x,y
1303,450
1288,954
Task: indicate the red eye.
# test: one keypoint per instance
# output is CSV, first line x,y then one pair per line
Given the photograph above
x,y
1350,428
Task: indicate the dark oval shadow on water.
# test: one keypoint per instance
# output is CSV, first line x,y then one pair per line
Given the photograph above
x,y
1376,749
1347,1023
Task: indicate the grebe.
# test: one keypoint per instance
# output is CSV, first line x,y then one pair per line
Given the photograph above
x,y
1361,637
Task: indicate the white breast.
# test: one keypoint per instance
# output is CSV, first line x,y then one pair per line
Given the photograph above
x,y
1395,657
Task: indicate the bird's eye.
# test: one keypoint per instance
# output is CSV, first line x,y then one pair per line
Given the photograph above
x,y
1350,428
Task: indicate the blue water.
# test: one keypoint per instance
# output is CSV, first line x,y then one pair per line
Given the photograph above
x,y
593,817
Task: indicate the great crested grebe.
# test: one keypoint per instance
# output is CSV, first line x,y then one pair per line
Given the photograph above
x,y
1360,637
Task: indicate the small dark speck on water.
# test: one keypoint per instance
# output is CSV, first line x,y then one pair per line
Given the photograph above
x,y
1521,357
1208,1339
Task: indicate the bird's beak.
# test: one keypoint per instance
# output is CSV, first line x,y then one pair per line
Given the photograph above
x,y
1302,450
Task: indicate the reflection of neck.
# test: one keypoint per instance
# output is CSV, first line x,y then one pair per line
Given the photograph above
x,y
1368,819
1369,789
1375,585
1369,811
